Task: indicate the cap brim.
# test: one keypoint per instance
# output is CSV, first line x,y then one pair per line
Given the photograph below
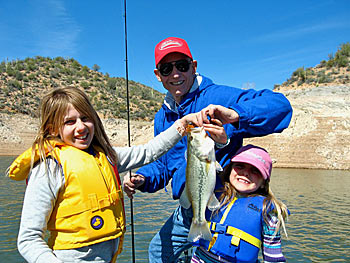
x,y
260,167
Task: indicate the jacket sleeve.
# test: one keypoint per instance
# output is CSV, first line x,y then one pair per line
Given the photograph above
x,y
156,176
39,200
260,112
272,247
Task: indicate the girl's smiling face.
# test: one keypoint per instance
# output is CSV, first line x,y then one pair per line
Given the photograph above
x,y
245,178
77,130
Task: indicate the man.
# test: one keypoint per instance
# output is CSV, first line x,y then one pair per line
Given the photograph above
x,y
252,113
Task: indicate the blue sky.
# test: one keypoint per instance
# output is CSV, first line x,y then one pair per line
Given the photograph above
x,y
238,43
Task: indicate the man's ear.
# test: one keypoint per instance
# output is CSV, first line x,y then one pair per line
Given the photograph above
x,y
156,72
194,66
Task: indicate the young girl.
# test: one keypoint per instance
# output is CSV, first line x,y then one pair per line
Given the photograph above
x,y
250,216
74,189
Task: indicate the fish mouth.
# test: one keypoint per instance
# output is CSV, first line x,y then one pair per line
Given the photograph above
x,y
190,128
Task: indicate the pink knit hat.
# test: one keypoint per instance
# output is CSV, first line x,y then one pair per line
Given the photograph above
x,y
171,45
256,156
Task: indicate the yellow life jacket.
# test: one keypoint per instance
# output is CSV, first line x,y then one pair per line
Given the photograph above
x,y
89,209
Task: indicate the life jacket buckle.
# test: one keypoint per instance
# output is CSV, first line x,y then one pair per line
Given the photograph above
x,y
113,197
94,203
221,229
120,194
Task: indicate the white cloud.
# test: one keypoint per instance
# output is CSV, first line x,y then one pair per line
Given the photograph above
x,y
293,33
55,31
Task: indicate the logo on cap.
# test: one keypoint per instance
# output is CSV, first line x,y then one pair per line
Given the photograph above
x,y
256,156
170,44
96,222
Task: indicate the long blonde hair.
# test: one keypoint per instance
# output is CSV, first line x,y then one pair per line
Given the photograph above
x,y
54,106
270,201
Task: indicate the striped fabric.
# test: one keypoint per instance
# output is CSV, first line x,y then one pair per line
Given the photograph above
x,y
272,247
203,256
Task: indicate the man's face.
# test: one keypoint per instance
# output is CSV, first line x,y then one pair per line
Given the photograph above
x,y
177,83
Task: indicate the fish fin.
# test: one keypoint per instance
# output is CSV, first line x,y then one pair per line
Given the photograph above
x,y
199,230
218,167
213,203
184,201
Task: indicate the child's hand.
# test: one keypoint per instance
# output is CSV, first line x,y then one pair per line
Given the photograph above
x,y
194,119
130,184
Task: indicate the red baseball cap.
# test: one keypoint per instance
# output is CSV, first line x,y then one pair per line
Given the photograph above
x,y
171,45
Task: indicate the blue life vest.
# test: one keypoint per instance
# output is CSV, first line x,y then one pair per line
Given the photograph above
x,y
237,230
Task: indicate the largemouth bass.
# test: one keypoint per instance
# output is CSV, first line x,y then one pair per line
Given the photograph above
x,y
200,182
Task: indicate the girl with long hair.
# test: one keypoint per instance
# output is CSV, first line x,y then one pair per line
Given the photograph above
x,y
250,216
74,190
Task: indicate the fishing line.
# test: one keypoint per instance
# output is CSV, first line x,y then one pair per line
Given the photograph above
x,y
129,141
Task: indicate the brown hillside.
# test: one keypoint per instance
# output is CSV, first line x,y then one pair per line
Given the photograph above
x,y
22,83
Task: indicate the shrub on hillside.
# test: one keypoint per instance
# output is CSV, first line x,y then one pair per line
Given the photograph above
x,y
2,67
300,73
19,76
14,84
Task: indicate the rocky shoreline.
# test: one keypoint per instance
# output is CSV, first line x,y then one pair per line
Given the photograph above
x,y
317,138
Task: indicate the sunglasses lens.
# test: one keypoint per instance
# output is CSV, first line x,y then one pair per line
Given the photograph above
x,y
181,65
165,69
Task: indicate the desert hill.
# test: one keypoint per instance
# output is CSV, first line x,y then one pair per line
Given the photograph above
x,y
319,133
22,83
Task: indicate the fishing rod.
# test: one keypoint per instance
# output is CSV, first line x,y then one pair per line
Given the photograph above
x,y
129,141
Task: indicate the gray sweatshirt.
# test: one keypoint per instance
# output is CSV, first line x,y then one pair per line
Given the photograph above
x,y
42,192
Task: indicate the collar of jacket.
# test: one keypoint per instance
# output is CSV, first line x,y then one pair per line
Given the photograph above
x,y
169,100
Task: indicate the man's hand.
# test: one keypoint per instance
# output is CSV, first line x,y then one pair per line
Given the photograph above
x,y
216,131
225,115
130,184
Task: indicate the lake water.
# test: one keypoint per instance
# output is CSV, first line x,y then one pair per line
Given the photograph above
x,y
318,228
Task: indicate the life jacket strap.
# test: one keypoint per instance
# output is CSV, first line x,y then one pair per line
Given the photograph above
x,y
93,204
119,250
119,184
222,220
237,235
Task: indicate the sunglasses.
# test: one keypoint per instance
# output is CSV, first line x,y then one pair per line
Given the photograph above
x,y
182,65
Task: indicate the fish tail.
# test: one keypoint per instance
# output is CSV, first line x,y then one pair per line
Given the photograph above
x,y
199,230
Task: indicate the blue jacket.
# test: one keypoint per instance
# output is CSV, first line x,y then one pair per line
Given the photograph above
x,y
260,113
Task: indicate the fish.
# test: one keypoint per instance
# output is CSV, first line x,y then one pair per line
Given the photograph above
x,y
200,182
